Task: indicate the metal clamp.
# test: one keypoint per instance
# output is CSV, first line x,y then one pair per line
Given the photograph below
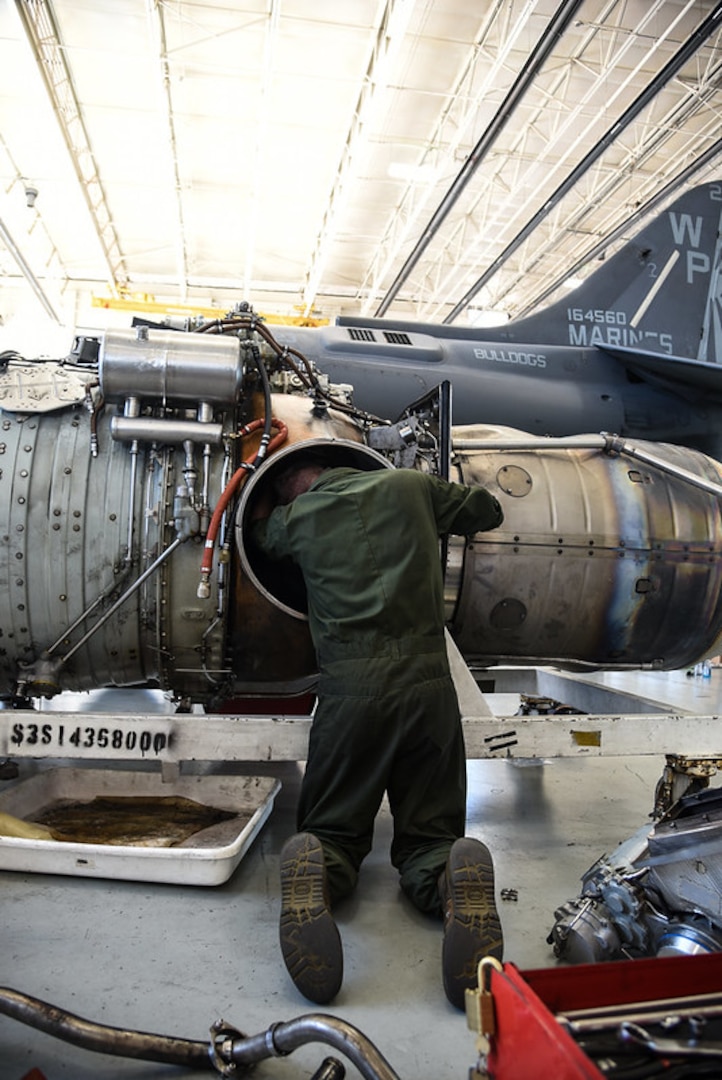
x,y
218,1051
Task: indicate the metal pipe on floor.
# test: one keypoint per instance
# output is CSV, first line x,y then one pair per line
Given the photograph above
x,y
100,1037
222,1055
330,1069
285,1037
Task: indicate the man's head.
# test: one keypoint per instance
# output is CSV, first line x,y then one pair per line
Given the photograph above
x,y
296,477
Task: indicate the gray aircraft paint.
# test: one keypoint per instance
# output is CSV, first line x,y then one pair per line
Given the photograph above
x,y
636,349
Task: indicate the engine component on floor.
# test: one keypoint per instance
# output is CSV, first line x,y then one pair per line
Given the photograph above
x,y
658,894
228,1051
682,776
534,705
126,465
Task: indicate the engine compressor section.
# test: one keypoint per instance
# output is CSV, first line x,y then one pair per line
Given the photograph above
x,y
117,477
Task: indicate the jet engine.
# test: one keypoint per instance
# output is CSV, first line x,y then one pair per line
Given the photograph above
x,y
658,894
128,471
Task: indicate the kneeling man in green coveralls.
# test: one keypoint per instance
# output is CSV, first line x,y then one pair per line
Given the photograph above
x,y
387,716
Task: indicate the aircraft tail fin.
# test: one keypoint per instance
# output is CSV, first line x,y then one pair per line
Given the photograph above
x,y
660,293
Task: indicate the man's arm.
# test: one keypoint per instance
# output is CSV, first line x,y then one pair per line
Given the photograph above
x,y
269,533
464,510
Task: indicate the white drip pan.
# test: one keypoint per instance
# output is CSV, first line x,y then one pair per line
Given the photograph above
x,y
209,857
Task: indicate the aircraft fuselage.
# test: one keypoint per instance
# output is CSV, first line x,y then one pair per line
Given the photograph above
x,y
543,389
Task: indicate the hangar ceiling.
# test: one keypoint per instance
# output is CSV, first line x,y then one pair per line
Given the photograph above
x,y
422,159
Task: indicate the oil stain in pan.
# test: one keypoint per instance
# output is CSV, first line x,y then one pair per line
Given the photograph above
x,y
146,821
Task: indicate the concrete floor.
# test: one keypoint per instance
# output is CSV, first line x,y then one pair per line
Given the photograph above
x,y
172,959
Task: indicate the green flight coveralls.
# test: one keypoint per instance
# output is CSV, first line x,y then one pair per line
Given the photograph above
x,y
387,716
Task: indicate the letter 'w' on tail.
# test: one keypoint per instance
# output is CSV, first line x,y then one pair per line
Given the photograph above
x,y
660,294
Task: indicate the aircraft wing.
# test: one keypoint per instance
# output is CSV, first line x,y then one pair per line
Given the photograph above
x,y
697,375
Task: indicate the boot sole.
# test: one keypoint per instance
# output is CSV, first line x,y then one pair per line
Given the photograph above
x,y
310,941
472,928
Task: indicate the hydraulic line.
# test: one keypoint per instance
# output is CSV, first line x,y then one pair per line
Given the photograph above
x,y
267,404
66,633
609,444
305,374
95,409
131,496
251,323
228,493
225,1052
126,595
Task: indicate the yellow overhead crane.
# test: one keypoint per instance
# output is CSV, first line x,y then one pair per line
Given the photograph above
x,y
142,303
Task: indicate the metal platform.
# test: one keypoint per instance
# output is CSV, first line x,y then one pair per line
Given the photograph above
x,y
610,722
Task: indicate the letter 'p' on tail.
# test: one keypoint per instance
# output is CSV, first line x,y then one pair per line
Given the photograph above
x,y
661,293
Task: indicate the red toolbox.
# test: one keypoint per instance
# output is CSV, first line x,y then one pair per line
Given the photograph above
x,y
529,1041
